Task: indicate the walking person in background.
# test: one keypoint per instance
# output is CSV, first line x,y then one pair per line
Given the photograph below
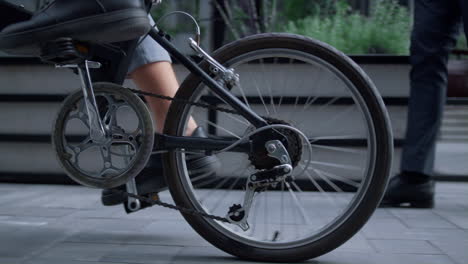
x,y
437,24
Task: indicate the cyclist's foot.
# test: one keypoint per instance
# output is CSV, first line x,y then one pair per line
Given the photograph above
x,y
151,180
103,21
408,189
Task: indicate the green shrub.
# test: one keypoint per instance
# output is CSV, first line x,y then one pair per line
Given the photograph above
x,y
385,31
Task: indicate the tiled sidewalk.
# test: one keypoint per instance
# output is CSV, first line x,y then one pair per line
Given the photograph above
x,y
66,224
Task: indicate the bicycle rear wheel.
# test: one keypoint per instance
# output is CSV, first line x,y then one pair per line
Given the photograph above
x,y
308,85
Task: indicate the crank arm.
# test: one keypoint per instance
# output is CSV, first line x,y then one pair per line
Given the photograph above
x,y
133,204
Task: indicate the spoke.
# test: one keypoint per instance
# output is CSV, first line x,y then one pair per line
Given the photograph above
x,y
339,149
325,178
337,115
241,89
222,183
265,214
311,99
236,119
252,219
284,82
222,128
321,190
301,123
315,139
215,190
260,95
282,209
298,204
333,165
340,178
293,112
268,84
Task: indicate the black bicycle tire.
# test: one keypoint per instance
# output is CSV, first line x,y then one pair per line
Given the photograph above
x,y
384,143
142,156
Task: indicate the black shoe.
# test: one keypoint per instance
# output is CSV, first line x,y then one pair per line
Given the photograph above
x,y
98,21
402,192
151,179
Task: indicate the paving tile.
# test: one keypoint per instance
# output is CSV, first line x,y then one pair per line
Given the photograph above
x,y
460,220
178,233
11,260
381,213
60,261
354,258
67,224
197,255
109,224
437,234
455,249
25,221
154,213
387,228
89,236
399,246
35,211
433,222
358,243
20,242
100,212
142,254
66,251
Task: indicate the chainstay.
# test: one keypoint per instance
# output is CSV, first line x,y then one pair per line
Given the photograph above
x,y
167,205
170,206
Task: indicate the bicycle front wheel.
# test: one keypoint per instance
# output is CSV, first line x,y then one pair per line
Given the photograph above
x,y
311,86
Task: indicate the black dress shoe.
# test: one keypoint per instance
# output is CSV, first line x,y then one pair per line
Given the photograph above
x,y
151,179
401,192
98,21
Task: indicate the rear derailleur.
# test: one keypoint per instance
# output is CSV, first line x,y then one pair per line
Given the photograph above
x,y
261,181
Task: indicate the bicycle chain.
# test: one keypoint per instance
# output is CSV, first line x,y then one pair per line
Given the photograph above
x,y
184,210
167,205
203,105
152,202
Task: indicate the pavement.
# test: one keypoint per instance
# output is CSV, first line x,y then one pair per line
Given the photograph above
x,y
66,224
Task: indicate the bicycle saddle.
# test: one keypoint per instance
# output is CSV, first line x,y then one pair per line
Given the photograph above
x,y
97,21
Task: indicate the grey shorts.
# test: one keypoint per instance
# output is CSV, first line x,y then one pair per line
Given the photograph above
x,y
149,51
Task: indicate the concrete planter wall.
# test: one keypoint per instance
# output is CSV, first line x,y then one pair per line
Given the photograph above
x,y
31,93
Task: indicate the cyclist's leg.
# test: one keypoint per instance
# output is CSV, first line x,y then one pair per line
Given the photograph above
x,y
159,78
151,70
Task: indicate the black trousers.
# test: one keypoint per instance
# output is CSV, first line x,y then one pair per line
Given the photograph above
x,y
437,25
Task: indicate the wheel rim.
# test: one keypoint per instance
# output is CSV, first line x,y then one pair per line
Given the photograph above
x,y
323,176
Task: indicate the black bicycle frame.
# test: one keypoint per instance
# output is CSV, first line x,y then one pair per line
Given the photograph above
x,y
164,142
214,86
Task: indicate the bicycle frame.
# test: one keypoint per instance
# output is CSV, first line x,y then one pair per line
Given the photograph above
x,y
164,142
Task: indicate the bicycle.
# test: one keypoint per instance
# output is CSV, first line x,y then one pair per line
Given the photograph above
x,y
284,157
